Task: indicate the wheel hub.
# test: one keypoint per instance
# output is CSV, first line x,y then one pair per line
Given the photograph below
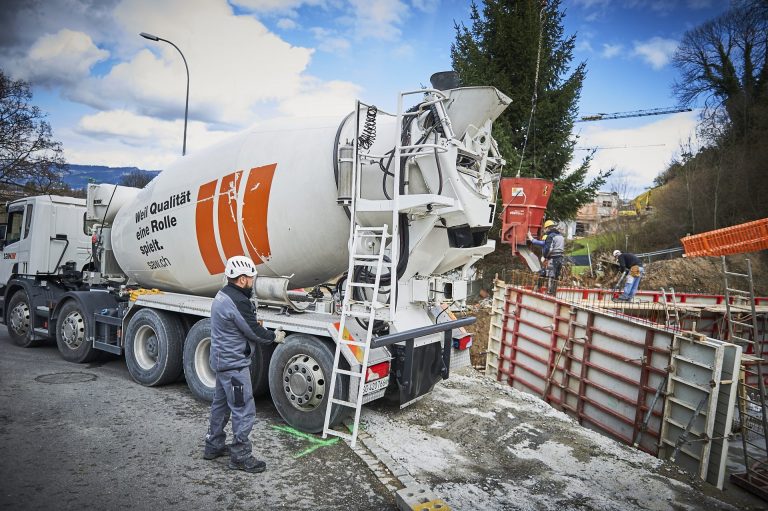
x,y
20,319
72,330
303,382
202,363
146,347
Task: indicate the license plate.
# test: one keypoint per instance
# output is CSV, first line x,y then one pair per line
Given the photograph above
x,y
373,386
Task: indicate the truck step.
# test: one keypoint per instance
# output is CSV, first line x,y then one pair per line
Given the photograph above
x,y
42,311
111,348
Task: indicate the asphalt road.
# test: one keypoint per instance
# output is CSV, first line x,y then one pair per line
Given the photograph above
x,y
89,437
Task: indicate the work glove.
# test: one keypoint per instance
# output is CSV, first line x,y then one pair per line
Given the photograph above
x,y
279,335
528,235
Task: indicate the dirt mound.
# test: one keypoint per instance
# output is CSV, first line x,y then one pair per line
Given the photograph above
x,y
703,274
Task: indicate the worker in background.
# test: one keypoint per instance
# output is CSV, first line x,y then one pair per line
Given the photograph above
x,y
233,327
631,265
553,250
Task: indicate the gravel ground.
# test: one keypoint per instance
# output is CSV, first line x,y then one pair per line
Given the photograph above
x,y
482,445
88,437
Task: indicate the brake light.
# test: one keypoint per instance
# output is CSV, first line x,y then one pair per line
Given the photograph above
x,y
463,343
377,371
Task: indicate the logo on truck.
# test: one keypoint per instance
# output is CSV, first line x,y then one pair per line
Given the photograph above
x,y
223,205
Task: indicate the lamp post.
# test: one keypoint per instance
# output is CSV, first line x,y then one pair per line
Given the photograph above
x,y
186,104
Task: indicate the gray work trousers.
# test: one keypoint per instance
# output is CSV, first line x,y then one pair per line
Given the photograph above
x,y
233,397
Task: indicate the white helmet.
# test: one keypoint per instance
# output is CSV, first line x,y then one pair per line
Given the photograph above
x,y
616,253
240,265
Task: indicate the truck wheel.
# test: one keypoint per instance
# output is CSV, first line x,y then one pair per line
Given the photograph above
x,y
260,358
299,381
72,335
153,345
19,326
201,379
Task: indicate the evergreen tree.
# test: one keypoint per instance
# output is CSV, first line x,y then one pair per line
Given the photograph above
x,y
501,48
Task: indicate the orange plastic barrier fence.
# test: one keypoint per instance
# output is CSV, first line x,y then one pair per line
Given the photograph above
x,y
738,239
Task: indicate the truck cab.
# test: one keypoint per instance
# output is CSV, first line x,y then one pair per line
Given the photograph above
x,y
42,233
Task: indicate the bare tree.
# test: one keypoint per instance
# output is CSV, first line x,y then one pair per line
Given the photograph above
x,y
29,156
724,61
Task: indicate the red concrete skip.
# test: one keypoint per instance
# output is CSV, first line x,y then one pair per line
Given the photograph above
x,y
206,237
255,210
524,201
228,232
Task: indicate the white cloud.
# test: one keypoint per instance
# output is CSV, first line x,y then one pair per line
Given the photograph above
x,y
403,51
640,153
317,99
584,45
275,6
426,5
236,65
611,50
656,51
119,133
62,58
378,19
587,4
328,40
286,24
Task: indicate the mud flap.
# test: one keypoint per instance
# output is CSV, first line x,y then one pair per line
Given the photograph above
x,y
418,369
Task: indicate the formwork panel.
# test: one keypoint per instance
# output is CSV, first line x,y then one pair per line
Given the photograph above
x,y
610,372
726,402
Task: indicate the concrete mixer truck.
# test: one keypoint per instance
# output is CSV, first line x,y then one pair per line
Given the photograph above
x,y
364,230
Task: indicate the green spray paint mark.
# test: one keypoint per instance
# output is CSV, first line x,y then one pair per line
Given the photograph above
x,y
315,442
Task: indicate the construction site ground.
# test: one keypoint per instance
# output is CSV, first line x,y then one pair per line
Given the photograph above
x,y
87,436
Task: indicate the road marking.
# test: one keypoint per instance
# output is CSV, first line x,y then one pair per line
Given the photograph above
x,y
316,443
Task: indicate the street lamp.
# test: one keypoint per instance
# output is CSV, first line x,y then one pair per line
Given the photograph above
x,y
186,105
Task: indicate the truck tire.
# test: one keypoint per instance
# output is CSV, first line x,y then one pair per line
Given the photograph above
x,y
72,335
19,321
153,347
201,379
299,381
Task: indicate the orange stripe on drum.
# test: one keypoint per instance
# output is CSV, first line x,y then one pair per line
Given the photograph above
x,y
228,232
206,238
255,209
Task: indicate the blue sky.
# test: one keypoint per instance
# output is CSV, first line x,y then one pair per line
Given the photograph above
x,y
117,99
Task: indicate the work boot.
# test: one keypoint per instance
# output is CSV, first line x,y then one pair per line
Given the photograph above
x,y
211,453
249,464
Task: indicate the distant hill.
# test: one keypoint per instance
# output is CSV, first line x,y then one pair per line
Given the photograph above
x,y
79,175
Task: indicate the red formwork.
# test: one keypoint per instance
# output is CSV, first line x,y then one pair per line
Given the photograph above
x,y
604,370
524,201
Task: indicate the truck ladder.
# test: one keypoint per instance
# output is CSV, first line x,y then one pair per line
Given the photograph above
x,y
741,329
362,234
359,309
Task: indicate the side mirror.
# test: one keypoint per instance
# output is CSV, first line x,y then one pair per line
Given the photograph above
x,y
3,228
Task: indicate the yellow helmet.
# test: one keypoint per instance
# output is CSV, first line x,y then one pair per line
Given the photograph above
x,y
549,223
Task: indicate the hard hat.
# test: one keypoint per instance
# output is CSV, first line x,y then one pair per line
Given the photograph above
x,y
239,265
549,223
616,253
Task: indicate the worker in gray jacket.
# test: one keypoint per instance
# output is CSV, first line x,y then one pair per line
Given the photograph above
x,y
233,326
552,251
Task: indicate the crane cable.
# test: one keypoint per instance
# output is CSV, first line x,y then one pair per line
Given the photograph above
x,y
535,87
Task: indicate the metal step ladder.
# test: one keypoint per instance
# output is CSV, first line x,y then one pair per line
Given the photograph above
x,y
670,309
365,309
387,236
741,329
